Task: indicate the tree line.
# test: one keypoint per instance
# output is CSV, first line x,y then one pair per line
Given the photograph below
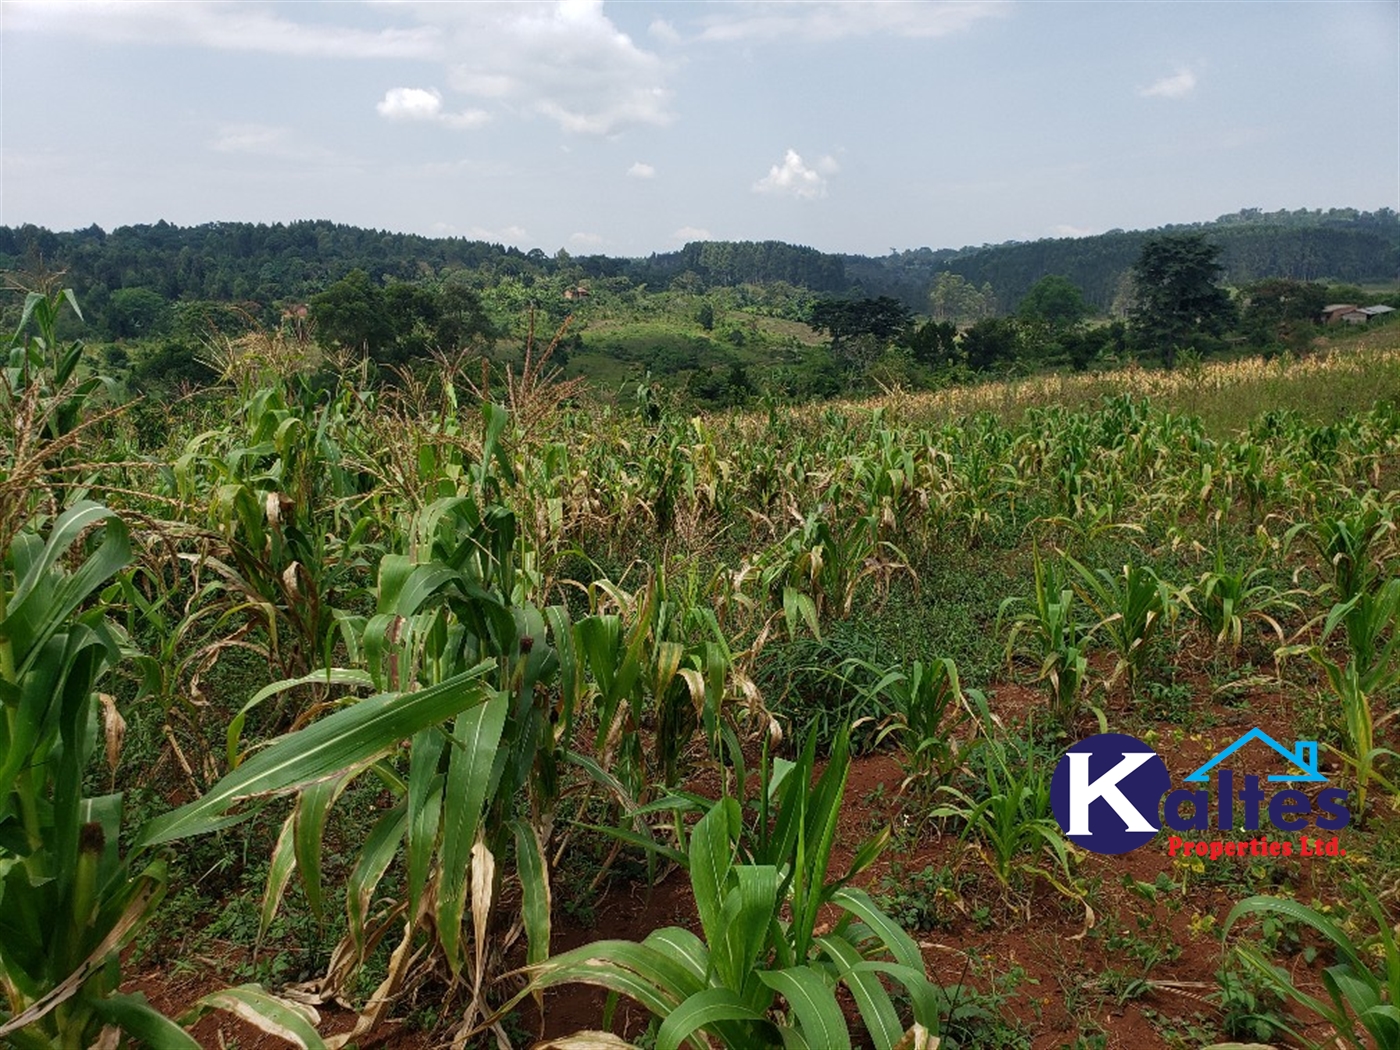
x,y
271,264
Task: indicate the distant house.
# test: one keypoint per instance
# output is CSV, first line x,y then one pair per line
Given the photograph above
x,y
580,292
1349,313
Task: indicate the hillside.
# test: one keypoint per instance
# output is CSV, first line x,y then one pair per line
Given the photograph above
x,y
230,261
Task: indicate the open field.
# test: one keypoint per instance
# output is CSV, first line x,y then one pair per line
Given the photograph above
x,y
438,719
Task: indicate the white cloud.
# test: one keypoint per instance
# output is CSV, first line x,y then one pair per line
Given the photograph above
x,y
837,19
1178,85
515,235
251,138
691,233
267,140
1064,229
664,31
794,178
405,103
564,60
641,170
223,26
587,240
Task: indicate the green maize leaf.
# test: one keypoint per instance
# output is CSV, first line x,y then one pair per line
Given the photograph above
x,y
330,676
748,909
379,851
1290,909
424,808
137,1017
475,737
571,683
34,715
699,1011
683,946
599,972
798,606
1280,983
822,818
534,885
867,854
669,979
122,916
26,958
717,663
279,875
287,1020
41,604
922,995
711,857
313,805
421,582
813,1001
1363,996
876,1009
642,841
889,932
352,735
791,782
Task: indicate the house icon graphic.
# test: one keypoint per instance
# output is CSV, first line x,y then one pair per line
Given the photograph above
x,y
1303,756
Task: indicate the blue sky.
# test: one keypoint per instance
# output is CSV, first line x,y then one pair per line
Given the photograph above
x,y
627,128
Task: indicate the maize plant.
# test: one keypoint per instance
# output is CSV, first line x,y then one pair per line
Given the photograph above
x,y
62,861
927,707
1363,984
1008,818
1054,639
1372,670
1225,599
1349,542
764,974
467,794
1131,606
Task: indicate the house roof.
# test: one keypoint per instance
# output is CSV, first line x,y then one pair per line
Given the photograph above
x,y
1372,311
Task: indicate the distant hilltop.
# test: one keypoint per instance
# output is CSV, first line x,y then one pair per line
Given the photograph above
x,y
237,261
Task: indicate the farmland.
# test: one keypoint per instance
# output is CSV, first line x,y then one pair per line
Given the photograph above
x,y
467,708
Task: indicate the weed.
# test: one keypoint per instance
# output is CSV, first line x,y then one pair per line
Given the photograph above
x,y
923,900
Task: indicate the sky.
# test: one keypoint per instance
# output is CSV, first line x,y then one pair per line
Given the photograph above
x,y
631,128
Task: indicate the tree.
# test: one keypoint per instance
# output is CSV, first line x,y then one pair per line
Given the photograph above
x,y
136,312
1283,311
1178,300
352,312
955,299
883,318
932,344
461,318
990,342
1054,300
